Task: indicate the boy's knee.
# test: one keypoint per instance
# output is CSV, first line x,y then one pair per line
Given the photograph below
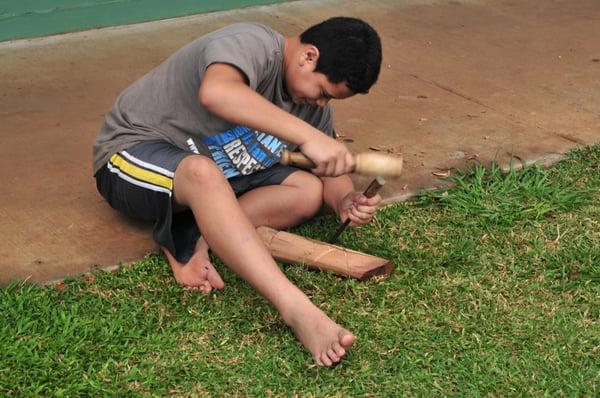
x,y
310,200
196,175
199,169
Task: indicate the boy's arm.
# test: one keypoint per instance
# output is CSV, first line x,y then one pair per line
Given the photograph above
x,y
225,93
339,194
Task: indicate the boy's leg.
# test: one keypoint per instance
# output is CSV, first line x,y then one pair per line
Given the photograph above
x,y
297,198
200,185
138,182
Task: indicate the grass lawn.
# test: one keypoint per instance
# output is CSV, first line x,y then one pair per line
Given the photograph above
x,y
496,292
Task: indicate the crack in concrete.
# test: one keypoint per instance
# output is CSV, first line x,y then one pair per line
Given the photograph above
x,y
275,15
452,91
510,118
571,139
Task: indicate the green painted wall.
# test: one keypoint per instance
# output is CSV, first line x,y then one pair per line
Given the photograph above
x,y
29,18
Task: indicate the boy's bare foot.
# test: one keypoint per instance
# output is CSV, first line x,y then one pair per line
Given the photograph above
x,y
326,340
198,273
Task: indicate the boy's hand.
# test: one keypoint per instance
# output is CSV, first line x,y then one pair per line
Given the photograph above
x,y
331,157
358,208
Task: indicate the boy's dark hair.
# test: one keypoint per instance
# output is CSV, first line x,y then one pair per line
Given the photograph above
x,y
349,51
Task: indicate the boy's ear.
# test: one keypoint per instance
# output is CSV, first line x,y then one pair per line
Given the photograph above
x,y
310,55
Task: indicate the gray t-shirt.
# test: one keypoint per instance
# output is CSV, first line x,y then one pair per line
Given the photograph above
x,y
163,104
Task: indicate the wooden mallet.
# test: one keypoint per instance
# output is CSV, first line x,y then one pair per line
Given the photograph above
x,y
367,163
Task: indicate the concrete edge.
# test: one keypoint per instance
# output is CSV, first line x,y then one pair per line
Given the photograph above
x,y
546,160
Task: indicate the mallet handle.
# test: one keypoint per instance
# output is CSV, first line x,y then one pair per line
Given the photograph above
x,y
296,159
367,163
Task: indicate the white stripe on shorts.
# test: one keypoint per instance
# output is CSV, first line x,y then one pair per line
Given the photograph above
x,y
137,182
147,165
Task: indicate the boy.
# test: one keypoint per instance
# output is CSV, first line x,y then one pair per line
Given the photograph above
x,y
194,144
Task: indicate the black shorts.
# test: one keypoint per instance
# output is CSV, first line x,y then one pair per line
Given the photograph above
x,y
138,182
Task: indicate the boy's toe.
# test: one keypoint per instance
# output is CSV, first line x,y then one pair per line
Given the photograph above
x,y
325,359
339,350
205,287
346,339
333,356
215,279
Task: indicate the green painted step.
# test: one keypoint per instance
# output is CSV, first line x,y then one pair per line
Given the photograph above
x,y
30,18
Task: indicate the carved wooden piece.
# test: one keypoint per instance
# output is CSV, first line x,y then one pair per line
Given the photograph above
x,y
294,249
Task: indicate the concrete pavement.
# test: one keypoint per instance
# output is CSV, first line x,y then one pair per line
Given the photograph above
x,y
460,80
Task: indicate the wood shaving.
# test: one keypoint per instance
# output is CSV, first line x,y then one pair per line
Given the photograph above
x,y
441,173
388,149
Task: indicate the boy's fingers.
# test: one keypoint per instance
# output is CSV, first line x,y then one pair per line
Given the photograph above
x,y
339,168
358,217
363,212
345,164
331,168
358,220
324,169
366,209
360,200
350,162
373,201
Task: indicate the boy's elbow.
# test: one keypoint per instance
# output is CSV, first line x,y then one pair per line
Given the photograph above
x,y
208,97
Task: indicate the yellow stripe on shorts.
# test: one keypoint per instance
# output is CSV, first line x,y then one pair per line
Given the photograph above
x,y
141,174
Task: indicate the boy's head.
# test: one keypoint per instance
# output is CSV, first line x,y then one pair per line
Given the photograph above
x,y
349,51
336,58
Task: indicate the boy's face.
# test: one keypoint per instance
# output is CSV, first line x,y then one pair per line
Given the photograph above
x,y
305,86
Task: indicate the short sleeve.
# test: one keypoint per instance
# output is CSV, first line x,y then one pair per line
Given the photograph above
x,y
247,52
